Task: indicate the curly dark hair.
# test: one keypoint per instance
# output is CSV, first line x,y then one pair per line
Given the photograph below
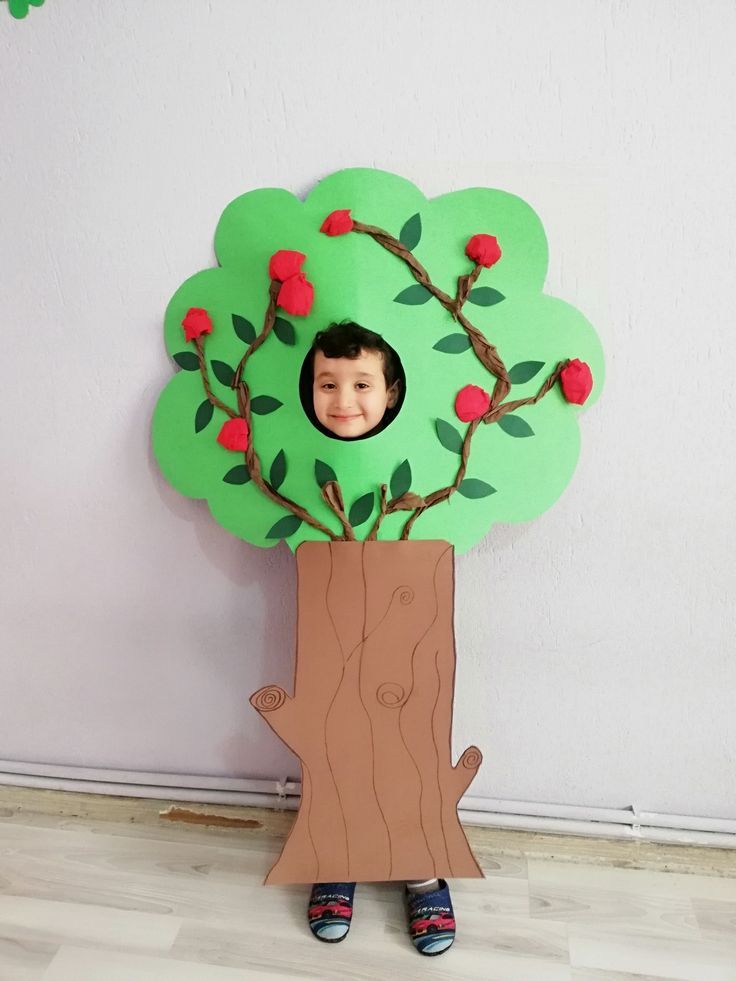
x,y
347,339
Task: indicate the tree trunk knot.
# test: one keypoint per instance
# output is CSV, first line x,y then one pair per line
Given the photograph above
x,y
268,699
391,695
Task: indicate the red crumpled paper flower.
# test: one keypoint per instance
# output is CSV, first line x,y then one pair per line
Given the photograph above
x,y
577,381
234,434
196,322
284,264
483,249
337,223
296,295
471,403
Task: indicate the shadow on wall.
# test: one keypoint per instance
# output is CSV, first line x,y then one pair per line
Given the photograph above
x,y
274,571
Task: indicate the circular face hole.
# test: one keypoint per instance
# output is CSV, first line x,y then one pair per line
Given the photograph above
x,y
352,384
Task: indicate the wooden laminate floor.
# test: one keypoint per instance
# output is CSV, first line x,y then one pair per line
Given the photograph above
x,y
120,889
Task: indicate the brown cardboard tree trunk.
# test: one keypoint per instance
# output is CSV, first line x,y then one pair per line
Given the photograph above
x,y
371,716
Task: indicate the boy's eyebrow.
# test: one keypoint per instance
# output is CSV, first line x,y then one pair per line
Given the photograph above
x,y
329,374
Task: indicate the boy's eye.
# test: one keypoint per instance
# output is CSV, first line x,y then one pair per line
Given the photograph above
x,y
362,385
328,385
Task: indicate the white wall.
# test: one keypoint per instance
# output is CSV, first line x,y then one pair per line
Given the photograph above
x,y
596,644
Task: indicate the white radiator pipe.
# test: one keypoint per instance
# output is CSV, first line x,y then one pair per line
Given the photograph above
x,y
630,823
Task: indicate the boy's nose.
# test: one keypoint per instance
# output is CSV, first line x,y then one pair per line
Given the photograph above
x,y
345,399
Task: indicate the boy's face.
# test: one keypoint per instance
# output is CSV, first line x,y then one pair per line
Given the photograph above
x,y
349,394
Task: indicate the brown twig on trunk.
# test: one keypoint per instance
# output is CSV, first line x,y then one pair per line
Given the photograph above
x,y
373,534
332,496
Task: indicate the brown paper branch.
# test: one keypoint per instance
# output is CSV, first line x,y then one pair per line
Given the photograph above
x,y
332,495
465,285
373,534
445,492
242,393
206,382
253,464
484,350
486,353
494,414
268,321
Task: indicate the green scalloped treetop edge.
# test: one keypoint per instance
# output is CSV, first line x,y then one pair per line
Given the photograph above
x,y
514,472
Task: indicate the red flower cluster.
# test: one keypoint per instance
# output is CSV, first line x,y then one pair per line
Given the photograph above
x,y
284,264
234,434
577,381
483,249
471,403
296,294
196,322
337,223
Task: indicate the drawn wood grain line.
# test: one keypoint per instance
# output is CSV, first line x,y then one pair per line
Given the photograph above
x,y
327,715
307,802
401,710
386,612
437,757
368,715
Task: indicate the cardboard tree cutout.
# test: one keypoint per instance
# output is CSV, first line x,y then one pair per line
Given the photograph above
x,y
486,431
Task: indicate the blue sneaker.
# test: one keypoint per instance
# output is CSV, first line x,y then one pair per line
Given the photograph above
x,y
431,919
331,910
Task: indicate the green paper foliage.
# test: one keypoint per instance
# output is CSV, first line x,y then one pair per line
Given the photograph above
x,y
525,371
414,296
205,411
19,8
484,296
411,232
515,425
452,344
361,509
517,467
449,436
323,472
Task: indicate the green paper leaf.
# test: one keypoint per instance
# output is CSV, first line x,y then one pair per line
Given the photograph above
x,y
204,415
244,329
411,232
284,330
473,488
18,8
223,372
515,426
323,472
524,371
413,296
449,436
452,344
187,360
401,479
485,296
285,527
361,510
238,475
262,405
278,470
